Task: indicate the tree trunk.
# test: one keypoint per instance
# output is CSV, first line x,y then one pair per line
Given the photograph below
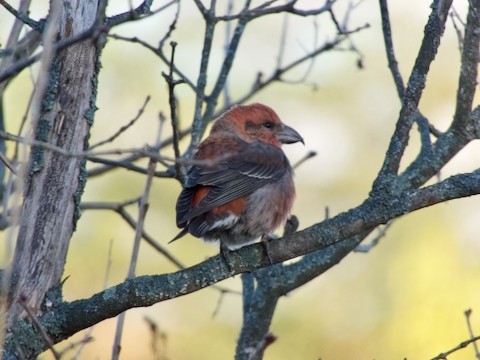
x,y
54,183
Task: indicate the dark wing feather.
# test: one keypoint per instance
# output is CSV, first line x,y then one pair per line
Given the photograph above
x,y
257,165
184,201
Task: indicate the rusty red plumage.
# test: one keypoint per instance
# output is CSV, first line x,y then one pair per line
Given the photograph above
x,y
244,190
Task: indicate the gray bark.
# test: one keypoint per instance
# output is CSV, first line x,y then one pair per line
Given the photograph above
x,y
54,183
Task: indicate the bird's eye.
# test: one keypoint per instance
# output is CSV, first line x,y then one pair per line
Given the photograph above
x,y
268,124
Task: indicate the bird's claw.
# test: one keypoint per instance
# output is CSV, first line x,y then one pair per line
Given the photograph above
x,y
265,243
224,251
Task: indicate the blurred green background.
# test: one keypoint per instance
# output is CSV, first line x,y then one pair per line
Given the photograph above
x,y
404,299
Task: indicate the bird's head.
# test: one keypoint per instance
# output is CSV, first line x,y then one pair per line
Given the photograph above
x,y
257,122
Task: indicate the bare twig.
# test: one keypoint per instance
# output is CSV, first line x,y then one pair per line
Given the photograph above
x,y
278,73
467,82
167,35
462,345
311,64
88,335
309,155
258,86
221,296
16,49
468,313
156,51
119,208
91,33
454,16
228,30
140,12
93,155
382,231
416,83
39,327
123,128
157,334
7,163
125,164
20,15
387,37
86,339
265,9
171,82
136,248
150,240
198,125
84,154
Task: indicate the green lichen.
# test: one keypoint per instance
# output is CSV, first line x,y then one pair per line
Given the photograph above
x,y
37,154
77,197
51,89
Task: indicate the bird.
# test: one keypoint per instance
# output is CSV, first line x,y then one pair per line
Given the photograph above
x,y
240,187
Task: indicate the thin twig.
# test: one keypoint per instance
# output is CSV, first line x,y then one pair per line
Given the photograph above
x,y
454,16
125,164
145,151
258,86
382,231
219,302
198,125
91,33
36,25
157,51
277,74
119,208
468,313
264,10
463,344
309,155
227,63
171,82
48,340
140,12
7,163
86,339
227,99
467,82
157,333
167,36
311,64
86,153
88,335
143,208
123,128
416,83
283,41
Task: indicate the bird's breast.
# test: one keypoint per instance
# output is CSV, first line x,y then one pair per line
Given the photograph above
x,y
269,206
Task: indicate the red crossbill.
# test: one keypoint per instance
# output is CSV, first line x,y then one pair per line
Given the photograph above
x,y
240,187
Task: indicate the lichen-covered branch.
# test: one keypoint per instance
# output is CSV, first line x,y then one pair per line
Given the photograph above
x,y
334,238
416,83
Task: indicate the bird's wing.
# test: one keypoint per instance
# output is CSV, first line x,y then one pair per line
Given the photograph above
x,y
240,175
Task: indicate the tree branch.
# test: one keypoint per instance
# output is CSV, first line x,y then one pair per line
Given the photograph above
x,y
35,25
416,83
467,82
334,234
387,37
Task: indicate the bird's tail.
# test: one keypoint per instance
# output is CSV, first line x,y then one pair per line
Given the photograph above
x,y
179,235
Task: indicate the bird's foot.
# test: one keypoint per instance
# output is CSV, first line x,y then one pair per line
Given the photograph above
x,y
265,241
224,252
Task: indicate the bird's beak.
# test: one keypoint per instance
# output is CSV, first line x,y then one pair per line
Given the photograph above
x,y
289,135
